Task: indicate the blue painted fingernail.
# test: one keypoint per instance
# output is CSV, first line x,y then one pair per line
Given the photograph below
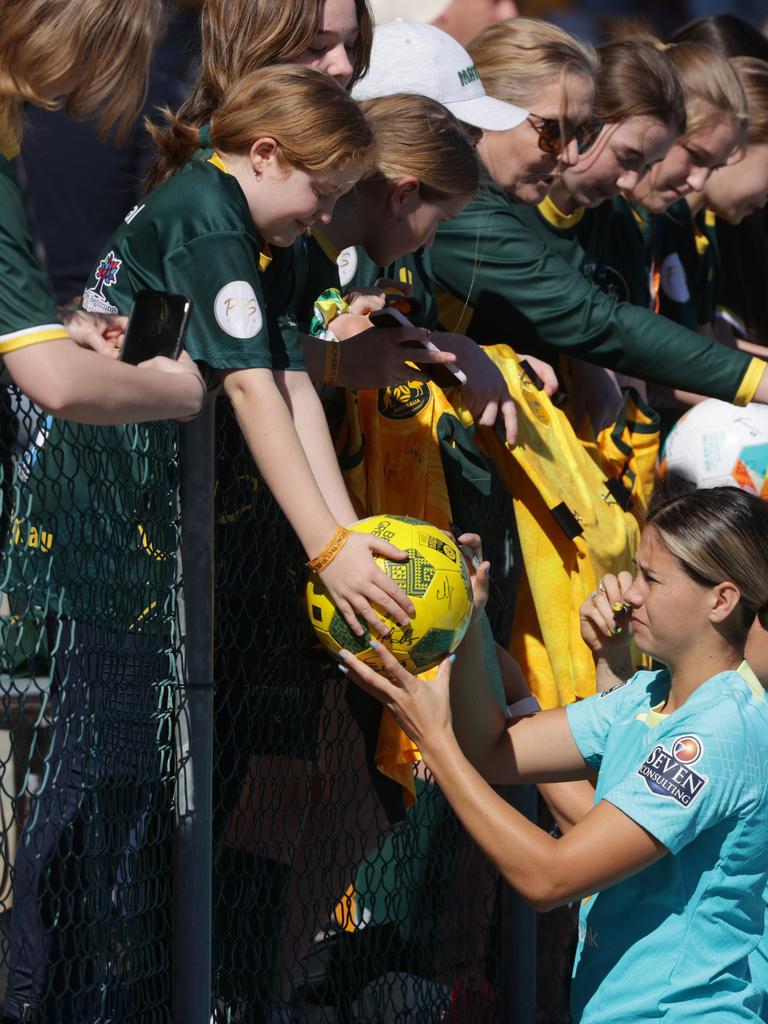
x,y
374,645
452,658
343,668
343,654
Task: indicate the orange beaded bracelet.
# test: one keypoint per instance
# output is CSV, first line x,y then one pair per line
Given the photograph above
x,y
331,549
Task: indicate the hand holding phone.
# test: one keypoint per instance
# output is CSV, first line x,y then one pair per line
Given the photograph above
x,y
443,374
156,326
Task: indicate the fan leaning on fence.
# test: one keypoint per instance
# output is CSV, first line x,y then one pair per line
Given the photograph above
x,y
90,56
670,862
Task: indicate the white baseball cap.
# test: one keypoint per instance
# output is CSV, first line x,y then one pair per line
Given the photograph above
x,y
414,58
414,10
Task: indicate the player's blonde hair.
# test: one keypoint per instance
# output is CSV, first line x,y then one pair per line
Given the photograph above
x,y
418,136
712,89
753,75
95,51
718,534
637,79
241,36
314,121
519,57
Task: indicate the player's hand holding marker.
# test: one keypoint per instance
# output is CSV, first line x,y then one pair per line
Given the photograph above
x,y
375,357
604,615
485,394
355,583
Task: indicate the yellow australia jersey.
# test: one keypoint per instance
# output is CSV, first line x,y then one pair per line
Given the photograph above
x,y
572,528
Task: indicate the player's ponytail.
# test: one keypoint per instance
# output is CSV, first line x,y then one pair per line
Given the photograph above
x,y
718,534
97,51
418,136
314,121
636,79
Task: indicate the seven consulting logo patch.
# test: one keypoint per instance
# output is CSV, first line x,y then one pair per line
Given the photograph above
x,y
669,773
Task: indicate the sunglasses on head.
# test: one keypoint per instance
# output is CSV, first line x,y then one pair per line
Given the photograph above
x,y
554,137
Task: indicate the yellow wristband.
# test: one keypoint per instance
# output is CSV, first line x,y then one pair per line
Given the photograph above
x,y
331,549
332,361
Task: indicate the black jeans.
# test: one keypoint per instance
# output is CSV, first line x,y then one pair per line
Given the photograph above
x,y
81,862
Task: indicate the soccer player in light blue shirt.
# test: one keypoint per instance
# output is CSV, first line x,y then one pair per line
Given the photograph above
x,y
669,863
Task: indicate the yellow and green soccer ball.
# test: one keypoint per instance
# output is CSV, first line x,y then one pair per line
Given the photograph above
x,y
434,577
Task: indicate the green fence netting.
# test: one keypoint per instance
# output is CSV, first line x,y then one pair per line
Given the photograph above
x,y
332,901
89,579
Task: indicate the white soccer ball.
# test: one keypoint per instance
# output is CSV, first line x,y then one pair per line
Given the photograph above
x,y
716,444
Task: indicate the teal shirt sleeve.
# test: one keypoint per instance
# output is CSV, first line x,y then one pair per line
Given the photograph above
x,y
691,779
590,720
523,294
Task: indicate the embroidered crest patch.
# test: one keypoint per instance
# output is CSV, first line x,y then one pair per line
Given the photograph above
x,y
94,299
669,773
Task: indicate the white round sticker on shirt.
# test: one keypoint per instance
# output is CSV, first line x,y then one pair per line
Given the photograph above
x,y
237,310
673,280
347,264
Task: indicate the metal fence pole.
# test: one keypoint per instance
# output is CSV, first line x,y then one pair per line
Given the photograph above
x,y
518,933
193,865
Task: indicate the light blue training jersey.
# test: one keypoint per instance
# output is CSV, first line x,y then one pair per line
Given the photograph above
x,y
672,942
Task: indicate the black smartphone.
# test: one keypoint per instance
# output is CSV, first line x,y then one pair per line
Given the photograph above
x,y
157,324
443,374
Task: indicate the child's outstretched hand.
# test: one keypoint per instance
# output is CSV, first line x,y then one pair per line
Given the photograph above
x,y
356,583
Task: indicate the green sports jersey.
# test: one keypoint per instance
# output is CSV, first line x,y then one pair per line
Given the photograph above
x,y
94,528
317,273
321,266
687,254
195,234
622,267
27,312
499,282
579,238
104,498
730,299
414,269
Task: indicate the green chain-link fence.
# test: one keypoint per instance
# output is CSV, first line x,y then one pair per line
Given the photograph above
x,y
89,580
300,888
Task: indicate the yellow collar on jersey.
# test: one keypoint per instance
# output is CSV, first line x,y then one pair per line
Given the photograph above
x,y
641,215
556,217
655,715
265,255
702,241
9,144
745,670
326,245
